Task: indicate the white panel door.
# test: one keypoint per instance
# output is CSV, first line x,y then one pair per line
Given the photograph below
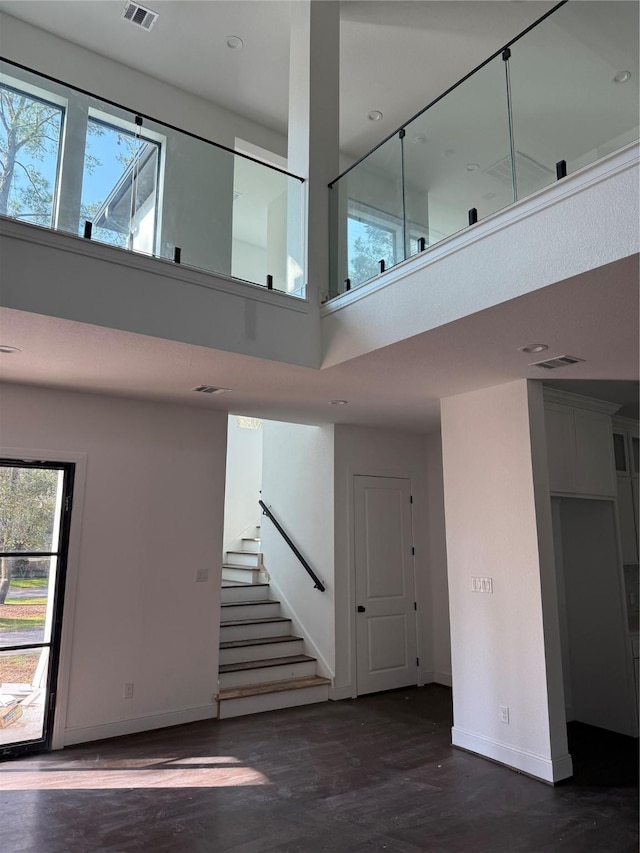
x,y
386,643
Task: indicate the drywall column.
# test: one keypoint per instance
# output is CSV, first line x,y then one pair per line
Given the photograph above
x,y
314,86
505,649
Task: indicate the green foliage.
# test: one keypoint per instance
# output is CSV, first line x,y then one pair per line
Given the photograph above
x,y
27,508
29,131
374,245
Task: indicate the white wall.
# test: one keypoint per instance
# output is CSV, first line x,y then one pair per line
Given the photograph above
x,y
438,560
384,453
498,649
298,486
596,648
151,516
243,482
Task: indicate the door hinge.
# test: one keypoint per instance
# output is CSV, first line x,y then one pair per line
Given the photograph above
x,y
67,503
411,499
415,605
417,661
413,551
52,701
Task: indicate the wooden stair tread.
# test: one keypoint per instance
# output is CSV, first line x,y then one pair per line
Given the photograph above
x,y
255,568
272,687
244,553
259,664
241,584
257,641
258,602
254,621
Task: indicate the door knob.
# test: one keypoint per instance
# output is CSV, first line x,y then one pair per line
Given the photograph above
x,y
361,609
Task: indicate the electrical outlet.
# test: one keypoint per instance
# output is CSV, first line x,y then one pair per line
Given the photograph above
x,y
503,710
202,575
127,690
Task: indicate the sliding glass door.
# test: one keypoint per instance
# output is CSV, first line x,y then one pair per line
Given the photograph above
x,y
35,510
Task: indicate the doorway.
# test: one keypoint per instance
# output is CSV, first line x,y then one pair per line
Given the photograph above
x,y
386,634
35,512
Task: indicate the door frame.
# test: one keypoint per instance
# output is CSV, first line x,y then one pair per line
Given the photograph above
x,y
65,644
402,474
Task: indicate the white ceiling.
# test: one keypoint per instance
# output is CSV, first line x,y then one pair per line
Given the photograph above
x,y
594,317
396,56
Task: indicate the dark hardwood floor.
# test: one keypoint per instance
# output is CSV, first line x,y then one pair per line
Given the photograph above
x,y
377,773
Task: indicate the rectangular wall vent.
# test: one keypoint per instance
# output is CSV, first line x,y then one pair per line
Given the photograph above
x,y
560,361
210,389
530,174
138,15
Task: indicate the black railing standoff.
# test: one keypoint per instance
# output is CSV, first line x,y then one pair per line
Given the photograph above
x,y
316,580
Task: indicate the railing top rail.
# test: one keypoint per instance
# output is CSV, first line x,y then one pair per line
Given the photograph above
x,y
151,118
450,89
317,582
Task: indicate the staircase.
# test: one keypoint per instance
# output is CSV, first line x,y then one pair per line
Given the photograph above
x,y
262,665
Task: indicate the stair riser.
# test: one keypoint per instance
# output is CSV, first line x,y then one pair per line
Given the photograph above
x,y
251,546
272,701
267,673
261,652
229,613
244,575
251,632
244,558
244,593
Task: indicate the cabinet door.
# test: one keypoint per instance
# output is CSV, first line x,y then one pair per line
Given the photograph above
x,y
560,447
595,467
626,518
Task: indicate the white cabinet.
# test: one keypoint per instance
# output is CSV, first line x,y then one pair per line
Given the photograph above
x,y
579,445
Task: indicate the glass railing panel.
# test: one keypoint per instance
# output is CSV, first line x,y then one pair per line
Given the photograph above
x,y
144,186
572,97
266,220
457,157
367,217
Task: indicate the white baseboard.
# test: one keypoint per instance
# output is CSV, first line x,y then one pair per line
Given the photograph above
x,y
338,693
84,734
546,769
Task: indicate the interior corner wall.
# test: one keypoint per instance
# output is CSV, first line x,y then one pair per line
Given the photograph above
x,y
382,453
243,482
498,652
298,486
152,515
438,560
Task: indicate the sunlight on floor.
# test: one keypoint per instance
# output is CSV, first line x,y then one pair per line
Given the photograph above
x,y
111,774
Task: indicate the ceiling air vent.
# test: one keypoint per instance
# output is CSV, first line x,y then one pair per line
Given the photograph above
x,y
560,361
530,174
138,15
210,389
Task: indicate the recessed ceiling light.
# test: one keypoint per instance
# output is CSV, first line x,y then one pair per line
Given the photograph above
x,y
210,389
235,42
8,350
374,115
338,402
622,77
533,348
472,167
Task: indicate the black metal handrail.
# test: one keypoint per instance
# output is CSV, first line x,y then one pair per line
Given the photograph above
x,y
149,118
266,511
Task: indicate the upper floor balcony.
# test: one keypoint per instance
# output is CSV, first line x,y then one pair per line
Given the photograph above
x,y
180,216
